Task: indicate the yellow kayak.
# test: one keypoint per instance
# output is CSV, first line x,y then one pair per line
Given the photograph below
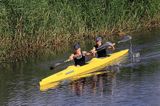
x,y
55,84
75,71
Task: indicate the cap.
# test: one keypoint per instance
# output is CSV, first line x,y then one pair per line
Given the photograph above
x,y
98,39
76,46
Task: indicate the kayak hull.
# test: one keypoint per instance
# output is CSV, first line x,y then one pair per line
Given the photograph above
x,y
56,84
93,65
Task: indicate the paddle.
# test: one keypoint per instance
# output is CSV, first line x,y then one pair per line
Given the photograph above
x,y
57,64
125,39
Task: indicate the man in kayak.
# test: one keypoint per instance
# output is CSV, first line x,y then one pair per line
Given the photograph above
x,y
78,56
101,52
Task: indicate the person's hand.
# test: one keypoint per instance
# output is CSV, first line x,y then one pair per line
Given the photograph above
x,y
113,44
111,47
71,57
93,52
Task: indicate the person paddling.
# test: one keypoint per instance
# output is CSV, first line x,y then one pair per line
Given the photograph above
x,y
102,52
78,56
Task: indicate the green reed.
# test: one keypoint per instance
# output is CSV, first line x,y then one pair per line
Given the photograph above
x,y
51,22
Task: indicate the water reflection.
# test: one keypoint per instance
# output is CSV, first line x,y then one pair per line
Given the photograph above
x,y
94,82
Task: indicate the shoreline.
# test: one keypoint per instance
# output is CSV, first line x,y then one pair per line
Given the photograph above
x,y
19,49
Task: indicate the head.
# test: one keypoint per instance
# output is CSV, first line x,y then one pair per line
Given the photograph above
x,y
77,48
99,40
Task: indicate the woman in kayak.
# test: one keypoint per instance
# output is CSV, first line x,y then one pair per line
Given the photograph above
x,y
78,56
101,52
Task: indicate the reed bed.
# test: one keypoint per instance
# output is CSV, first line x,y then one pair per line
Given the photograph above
x,y
29,26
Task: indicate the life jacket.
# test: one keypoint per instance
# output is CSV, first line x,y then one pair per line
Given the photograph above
x,y
80,60
101,53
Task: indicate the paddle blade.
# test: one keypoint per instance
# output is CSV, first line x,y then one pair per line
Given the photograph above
x,y
51,68
55,65
125,39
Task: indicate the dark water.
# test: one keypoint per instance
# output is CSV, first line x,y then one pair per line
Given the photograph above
x,y
137,84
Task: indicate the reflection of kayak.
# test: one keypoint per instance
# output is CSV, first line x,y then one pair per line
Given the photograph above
x,y
75,71
89,75
55,84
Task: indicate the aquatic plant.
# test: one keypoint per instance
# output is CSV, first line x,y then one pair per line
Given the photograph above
x,y
29,24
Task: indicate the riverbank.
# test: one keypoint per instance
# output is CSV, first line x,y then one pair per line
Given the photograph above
x,y
40,27
21,48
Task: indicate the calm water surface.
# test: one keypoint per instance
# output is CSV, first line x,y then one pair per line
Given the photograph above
x,y
136,84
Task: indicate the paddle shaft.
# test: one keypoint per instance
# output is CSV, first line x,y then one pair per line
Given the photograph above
x,y
125,39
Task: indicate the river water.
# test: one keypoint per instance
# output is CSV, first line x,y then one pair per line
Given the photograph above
x,y
136,84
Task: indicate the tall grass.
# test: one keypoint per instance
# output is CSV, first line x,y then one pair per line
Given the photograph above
x,y
58,20
34,17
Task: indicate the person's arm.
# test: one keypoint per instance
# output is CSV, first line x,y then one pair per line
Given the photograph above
x,y
85,53
71,57
93,51
111,47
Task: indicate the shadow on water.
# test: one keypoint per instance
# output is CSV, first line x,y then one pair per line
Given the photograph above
x,y
136,83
